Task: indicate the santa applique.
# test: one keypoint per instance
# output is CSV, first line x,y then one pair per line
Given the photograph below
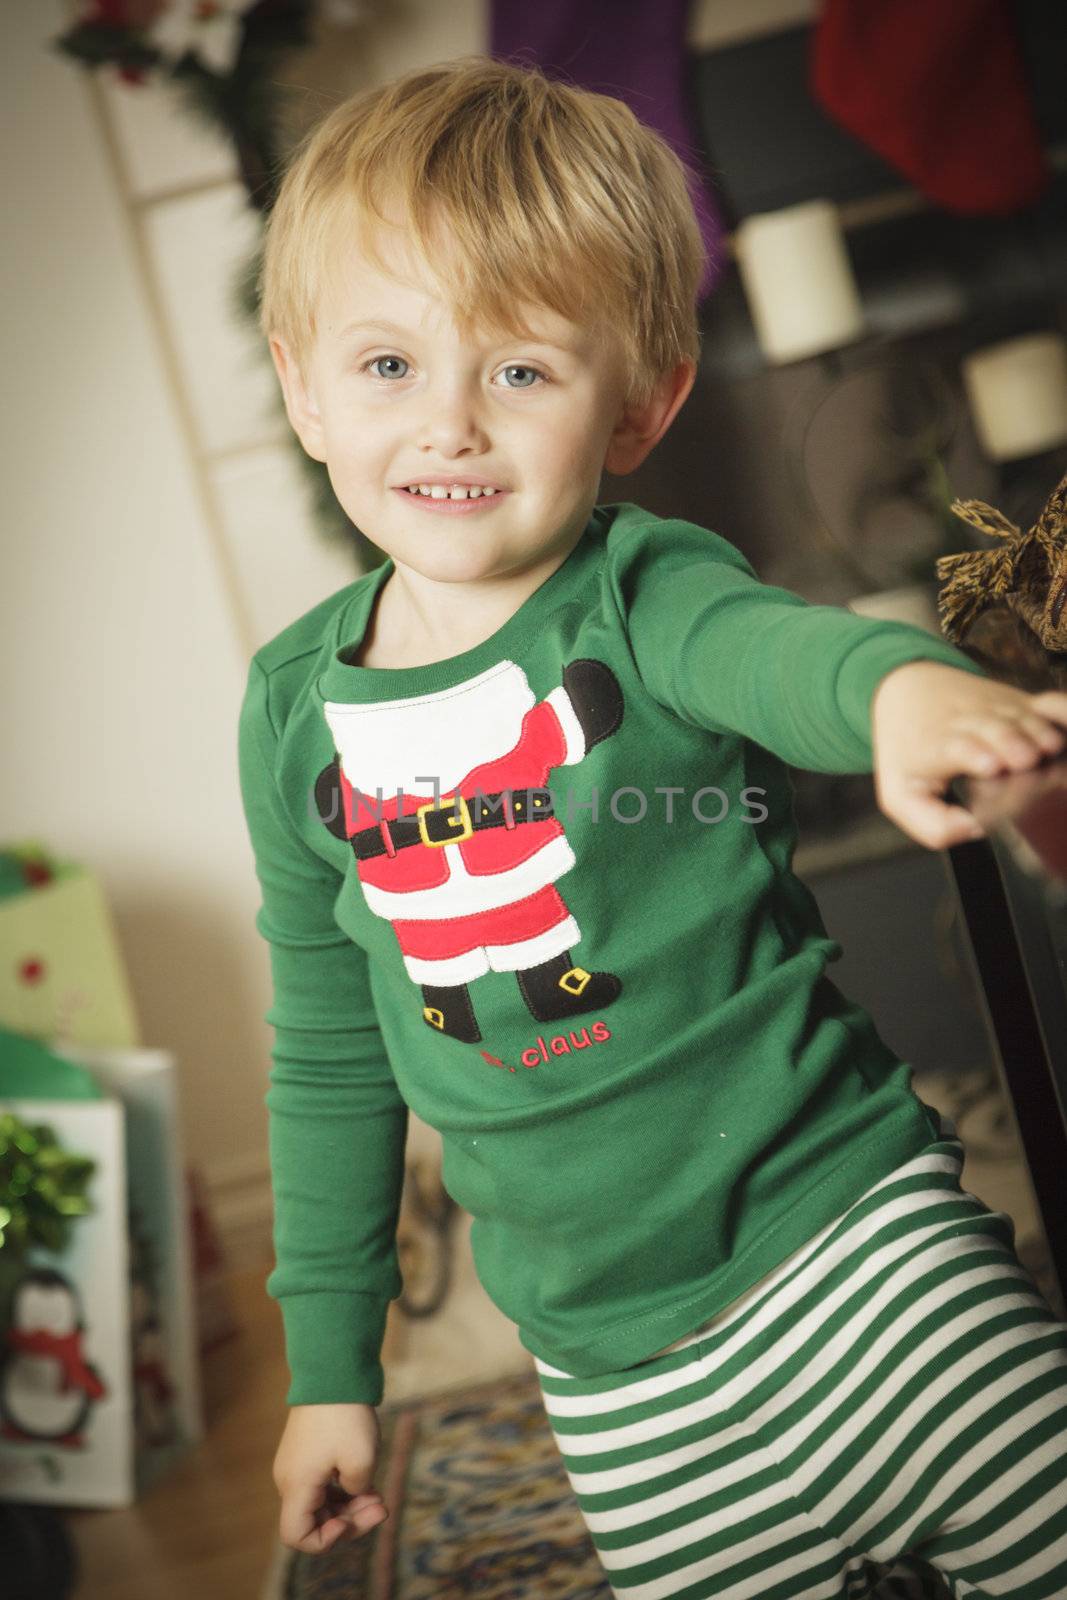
x,y
467,878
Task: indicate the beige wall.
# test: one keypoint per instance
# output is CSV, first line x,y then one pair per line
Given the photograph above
x,y
157,530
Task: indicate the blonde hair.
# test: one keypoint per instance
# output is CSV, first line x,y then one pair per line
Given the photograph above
x,y
550,194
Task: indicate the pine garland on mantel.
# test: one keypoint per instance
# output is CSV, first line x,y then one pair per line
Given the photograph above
x,y
224,57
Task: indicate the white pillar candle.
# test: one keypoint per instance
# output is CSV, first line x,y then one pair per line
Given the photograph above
x,y
1018,395
798,281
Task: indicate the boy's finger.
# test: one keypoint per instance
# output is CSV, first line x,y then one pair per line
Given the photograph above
x,y
973,757
1045,733
299,1527
340,1500
361,1522
319,1539
316,1540
355,1508
933,822
1051,703
298,1512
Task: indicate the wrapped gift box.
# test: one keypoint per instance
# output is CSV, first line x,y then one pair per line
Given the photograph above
x,y
61,971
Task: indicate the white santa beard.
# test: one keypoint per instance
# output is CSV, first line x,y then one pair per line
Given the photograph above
x,y
409,743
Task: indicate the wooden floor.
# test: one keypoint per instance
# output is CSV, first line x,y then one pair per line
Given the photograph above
x,y
207,1529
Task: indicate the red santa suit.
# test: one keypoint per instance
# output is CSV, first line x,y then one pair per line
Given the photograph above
x,y
478,903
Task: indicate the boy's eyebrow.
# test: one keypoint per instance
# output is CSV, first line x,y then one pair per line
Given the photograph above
x,y
382,327
536,337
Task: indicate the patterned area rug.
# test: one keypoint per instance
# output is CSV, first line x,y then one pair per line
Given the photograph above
x,y
480,1504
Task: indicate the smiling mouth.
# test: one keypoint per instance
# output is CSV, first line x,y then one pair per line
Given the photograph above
x,y
457,500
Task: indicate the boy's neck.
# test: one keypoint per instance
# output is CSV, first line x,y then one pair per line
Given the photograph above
x,y
416,621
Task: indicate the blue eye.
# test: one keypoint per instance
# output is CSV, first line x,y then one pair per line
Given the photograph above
x,y
397,360
530,375
531,372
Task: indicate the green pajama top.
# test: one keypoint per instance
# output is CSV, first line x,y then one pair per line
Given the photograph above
x,y
541,893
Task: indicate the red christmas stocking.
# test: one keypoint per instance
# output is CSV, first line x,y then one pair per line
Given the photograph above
x,y
939,92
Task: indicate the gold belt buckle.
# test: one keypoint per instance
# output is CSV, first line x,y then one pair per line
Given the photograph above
x,y
464,821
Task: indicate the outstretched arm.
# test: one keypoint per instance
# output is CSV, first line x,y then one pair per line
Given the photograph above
x,y
931,723
734,655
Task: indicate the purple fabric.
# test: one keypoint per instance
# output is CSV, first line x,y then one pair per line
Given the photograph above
x,y
632,49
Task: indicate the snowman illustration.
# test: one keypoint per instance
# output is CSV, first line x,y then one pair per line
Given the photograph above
x,y
466,871
47,1388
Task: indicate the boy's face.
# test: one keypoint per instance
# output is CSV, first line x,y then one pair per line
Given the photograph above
x,y
394,395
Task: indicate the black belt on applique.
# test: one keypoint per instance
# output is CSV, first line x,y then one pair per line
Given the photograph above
x,y
452,820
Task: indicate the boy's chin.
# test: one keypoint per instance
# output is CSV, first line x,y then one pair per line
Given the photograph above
x,y
457,570
455,557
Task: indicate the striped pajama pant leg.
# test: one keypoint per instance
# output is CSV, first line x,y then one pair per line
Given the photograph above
x,y
884,1415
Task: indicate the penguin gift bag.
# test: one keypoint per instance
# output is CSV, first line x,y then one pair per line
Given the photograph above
x,y
97,1366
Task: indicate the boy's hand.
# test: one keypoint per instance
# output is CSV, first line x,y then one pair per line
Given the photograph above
x,y
323,1470
931,722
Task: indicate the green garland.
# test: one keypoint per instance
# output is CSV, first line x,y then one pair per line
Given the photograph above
x,y
247,104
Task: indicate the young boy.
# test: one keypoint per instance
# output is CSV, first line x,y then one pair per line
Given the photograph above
x,y
524,833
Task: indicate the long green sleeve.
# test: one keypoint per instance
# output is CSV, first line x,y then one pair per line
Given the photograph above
x,y
731,654
337,1121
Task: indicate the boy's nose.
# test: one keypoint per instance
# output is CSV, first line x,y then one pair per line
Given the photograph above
x,y
452,422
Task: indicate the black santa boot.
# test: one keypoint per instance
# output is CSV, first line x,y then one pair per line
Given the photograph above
x,y
449,1010
558,988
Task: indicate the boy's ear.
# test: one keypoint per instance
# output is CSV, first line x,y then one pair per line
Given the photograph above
x,y
640,428
300,405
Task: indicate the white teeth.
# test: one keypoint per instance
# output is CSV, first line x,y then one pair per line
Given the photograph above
x,y
441,491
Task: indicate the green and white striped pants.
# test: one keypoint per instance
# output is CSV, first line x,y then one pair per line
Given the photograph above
x,y
891,1399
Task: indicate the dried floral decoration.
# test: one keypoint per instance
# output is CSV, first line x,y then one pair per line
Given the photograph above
x,y
1028,572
